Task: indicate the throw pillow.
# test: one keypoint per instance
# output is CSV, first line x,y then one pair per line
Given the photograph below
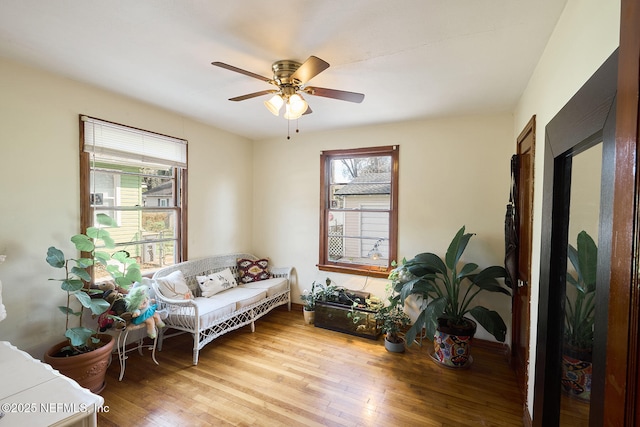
x,y
253,271
174,286
216,282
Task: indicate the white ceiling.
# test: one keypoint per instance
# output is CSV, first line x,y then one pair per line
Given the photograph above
x,y
411,58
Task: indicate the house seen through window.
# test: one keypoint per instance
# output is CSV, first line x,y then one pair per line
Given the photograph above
x,y
138,178
359,210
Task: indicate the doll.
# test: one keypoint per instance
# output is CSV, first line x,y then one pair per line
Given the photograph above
x,y
143,310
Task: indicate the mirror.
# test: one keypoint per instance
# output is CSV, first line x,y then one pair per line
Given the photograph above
x,y
577,197
580,301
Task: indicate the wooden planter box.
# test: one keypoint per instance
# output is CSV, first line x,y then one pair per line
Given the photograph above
x,y
334,316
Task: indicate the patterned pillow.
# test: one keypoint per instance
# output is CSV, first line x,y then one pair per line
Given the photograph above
x,y
174,286
216,282
253,271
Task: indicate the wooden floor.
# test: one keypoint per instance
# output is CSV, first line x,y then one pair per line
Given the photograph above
x,y
291,374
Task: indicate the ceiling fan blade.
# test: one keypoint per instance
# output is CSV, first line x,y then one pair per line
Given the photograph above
x,y
252,95
334,93
309,69
241,71
309,111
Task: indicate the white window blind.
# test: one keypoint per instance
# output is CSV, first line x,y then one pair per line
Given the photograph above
x,y
110,140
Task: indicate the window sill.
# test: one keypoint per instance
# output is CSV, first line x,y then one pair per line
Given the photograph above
x,y
369,271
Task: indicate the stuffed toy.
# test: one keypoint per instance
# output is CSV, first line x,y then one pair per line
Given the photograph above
x,y
143,309
117,315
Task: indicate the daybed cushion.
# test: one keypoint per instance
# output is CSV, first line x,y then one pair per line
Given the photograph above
x,y
211,310
174,286
216,282
241,297
273,286
253,271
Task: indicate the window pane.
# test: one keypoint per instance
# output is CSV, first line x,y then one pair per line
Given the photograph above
x,y
358,237
148,236
360,183
127,186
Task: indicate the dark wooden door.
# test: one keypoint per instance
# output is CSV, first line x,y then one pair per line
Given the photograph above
x,y
524,219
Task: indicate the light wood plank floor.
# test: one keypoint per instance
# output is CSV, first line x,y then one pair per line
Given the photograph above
x,y
291,374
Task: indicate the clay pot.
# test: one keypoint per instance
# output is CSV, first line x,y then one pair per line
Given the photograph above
x,y
87,369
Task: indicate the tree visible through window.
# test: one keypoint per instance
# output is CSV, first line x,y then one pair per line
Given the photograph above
x,y
358,222
138,178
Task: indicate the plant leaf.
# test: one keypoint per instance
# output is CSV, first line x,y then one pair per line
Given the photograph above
x,y
55,257
83,243
78,336
71,285
456,248
491,321
81,273
96,305
106,220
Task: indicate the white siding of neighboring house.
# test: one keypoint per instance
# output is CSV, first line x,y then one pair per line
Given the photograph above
x,y
368,224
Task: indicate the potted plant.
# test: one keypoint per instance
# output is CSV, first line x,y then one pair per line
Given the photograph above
x,y
393,320
448,291
84,355
318,292
579,318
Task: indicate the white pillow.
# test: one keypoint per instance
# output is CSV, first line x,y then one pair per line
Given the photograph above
x,y
174,286
216,282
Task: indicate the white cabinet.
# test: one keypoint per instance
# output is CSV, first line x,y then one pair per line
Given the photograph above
x,y
33,394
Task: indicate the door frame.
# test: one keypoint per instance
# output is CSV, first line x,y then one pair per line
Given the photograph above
x,y
622,385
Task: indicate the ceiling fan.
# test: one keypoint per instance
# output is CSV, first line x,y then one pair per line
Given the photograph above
x,y
290,78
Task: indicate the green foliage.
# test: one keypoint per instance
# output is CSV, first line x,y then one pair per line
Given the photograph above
x,y
449,289
77,277
393,318
580,304
319,292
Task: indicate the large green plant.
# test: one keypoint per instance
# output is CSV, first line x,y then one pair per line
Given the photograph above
x,y
449,289
77,278
580,304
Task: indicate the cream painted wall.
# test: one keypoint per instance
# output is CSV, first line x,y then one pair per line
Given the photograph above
x,y
39,181
453,172
586,34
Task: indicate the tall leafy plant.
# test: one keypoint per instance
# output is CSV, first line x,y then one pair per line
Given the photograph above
x,y
77,278
580,304
448,289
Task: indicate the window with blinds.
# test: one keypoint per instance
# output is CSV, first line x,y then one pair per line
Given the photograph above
x,y
138,178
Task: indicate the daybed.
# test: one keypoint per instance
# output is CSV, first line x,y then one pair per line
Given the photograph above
x,y
208,317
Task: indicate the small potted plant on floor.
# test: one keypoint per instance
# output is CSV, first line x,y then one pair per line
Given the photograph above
x,y
579,318
84,354
448,290
393,319
319,292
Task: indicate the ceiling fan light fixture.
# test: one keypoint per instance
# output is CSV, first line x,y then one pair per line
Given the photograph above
x,y
296,107
274,104
289,115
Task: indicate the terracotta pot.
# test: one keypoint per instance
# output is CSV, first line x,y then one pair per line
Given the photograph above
x,y
87,369
309,316
452,344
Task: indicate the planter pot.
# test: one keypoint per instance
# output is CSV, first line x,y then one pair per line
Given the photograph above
x,y
576,373
452,344
309,316
87,369
394,347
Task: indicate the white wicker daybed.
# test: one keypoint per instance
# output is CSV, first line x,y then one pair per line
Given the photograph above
x,y
206,318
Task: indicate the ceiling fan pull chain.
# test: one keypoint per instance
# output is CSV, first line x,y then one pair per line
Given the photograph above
x,y
288,126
